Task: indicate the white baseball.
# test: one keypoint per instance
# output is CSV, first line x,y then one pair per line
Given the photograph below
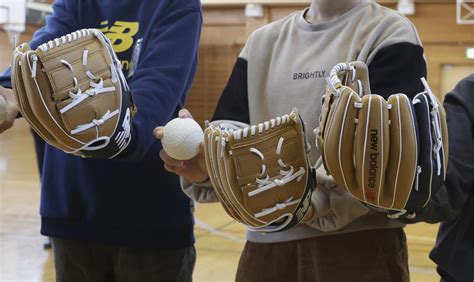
x,y
3,110
182,138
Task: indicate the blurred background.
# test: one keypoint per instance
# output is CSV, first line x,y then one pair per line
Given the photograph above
x,y
446,29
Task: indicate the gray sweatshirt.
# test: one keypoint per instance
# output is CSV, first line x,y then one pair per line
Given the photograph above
x,y
284,65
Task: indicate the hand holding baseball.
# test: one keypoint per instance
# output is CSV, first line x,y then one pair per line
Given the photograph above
x,y
182,152
8,109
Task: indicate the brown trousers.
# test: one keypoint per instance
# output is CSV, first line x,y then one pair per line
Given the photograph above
x,y
375,255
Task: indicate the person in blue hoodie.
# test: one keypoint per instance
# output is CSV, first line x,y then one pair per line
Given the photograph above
x,y
124,219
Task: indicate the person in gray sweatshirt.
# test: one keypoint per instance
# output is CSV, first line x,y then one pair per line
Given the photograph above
x,y
284,65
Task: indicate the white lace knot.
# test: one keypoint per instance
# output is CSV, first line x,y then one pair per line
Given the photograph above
x,y
279,182
280,206
97,122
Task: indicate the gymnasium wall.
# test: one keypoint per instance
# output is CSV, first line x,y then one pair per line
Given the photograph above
x,y
226,28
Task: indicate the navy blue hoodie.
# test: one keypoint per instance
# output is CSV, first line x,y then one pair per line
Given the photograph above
x,y
131,201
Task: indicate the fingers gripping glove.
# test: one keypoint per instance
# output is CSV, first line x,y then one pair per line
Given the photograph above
x,y
390,154
72,92
261,173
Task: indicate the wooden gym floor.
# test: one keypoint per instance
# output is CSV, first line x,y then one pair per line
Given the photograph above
x,y
219,239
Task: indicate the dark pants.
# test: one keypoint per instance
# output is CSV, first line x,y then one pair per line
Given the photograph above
x,y
87,262
365,256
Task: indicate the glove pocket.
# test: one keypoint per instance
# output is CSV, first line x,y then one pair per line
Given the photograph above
x,y
261,157
88,117
270,204
64,78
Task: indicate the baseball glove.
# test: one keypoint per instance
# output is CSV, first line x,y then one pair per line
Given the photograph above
x,y
261,173
72,92
390,154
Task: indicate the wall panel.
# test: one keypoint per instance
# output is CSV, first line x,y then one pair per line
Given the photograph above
x,y
226,29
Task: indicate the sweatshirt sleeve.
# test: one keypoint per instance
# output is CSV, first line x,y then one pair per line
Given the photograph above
x,y
62,21
164,74
397,68
234,103
333,207
201,193
396,61
453,195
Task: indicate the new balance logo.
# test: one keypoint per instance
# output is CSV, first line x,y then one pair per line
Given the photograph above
x,y
123,138
373,163
306,202
120,34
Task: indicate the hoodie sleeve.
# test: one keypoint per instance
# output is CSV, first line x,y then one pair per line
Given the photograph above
x,y
164,74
